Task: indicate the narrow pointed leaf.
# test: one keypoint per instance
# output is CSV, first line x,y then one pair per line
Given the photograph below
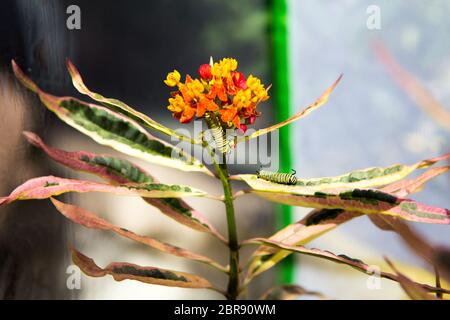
x,y
365,178
120,171
127,271
115,130
289,292
411,288
387,223
366,202
441,260
406,187
316,104
121,107
49,186
90,220
320,221
341,259
414,88
108,167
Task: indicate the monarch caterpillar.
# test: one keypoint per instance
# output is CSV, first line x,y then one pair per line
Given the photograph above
x,y
217,133
278,177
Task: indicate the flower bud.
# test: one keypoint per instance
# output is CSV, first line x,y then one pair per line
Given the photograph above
x,y
243,128
205,72
239,80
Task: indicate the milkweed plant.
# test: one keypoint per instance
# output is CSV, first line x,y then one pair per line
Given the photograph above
x,y
229,103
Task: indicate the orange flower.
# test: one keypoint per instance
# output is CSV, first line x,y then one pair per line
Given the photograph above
x,y
221,89
230,117
181,110
187,115
218,90
204,105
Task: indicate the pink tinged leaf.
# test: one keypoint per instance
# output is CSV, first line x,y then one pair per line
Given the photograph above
x,y
289,292
320,221
362,178
121,171
414,290
151,275
355,200
113,129
316,104
416,91
121,107
88,219
181,212
341,259
45,187
88,162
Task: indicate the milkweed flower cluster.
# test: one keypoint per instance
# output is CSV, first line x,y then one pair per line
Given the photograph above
x,y
222,90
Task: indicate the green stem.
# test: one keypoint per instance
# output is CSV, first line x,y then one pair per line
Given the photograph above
x,y
233,244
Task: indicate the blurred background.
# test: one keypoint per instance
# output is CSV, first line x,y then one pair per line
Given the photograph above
x,y
125,49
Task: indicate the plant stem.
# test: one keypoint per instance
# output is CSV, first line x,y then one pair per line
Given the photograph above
x,y
233,244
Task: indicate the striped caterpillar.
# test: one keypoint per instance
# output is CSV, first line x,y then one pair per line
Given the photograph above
x,y
217,133
278,177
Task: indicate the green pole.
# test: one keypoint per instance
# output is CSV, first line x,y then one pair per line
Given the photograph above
x,y
280,59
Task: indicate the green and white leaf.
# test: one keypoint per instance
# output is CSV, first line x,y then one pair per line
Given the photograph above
x,y
320,221
121,171
113,129
365,178
151,275
121,107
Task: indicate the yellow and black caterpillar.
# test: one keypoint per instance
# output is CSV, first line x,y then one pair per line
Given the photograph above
x,y
278,177
217,133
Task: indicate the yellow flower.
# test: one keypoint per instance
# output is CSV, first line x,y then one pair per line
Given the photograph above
x,y
253,82
177,104
217,70
242,99
229,64
258,89
173,78
196,87
223,68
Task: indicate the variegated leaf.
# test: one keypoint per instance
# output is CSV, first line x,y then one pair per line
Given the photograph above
x,y
121,171
313,106
365,202
46,187
90,220
320,221
127,271
113,129
121,107
341,259
365,178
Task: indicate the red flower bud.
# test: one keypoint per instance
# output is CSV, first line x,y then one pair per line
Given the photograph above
x,y
205,72
239,80
243,128
252,119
